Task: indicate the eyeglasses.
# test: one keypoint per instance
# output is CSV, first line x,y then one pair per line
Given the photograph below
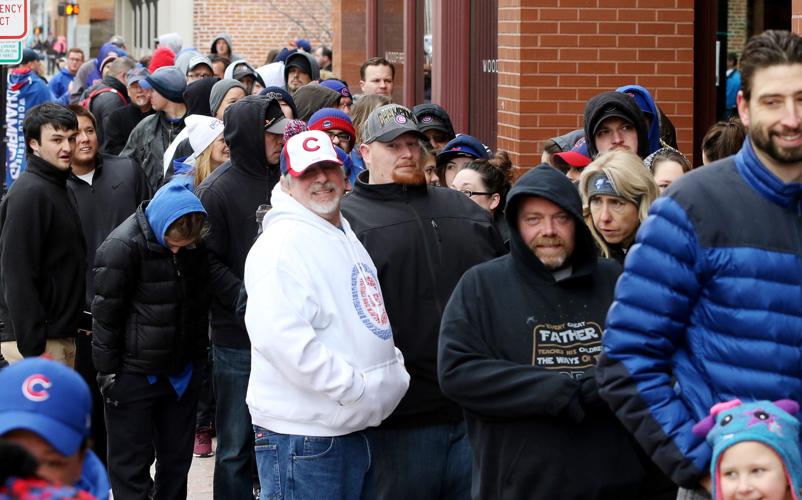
x,y
439,138
469,193
342,136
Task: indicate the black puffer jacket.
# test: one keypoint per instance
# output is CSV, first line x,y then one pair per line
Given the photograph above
x,y
150,306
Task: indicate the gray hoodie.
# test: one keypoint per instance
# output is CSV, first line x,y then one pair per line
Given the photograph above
x,y
224,36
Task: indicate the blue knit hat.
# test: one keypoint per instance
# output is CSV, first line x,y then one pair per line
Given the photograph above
x,y
337,86
772,424
333,119
172,201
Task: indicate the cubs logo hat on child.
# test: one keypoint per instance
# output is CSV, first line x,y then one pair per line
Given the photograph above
x,y
47,398
308,148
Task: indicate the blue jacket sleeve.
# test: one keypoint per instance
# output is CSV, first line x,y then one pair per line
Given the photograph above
x,y
646,324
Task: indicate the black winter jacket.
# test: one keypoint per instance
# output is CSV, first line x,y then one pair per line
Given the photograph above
x,y
150,306
231,195
118,126
422,239
117,189
42,259
518,351
148,142
105,103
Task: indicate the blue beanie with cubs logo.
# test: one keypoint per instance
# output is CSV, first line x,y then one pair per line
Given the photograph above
x,y
332,119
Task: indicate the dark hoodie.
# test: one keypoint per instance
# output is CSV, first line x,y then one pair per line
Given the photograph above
x,y
231,195
196,97
305,61
517,351
595,112
313,97
644,100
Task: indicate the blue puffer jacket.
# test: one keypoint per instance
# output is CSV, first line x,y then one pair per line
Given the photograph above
x,y
709,309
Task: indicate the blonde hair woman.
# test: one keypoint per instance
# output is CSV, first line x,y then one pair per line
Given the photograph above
x,y
617,191
208,144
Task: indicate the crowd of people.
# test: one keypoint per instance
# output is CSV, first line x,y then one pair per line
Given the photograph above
x,y
359,301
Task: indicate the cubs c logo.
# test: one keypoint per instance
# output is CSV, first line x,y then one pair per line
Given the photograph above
x,y
400,119
368,301
426,119
306,145
35,387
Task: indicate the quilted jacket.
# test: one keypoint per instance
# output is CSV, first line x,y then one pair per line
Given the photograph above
x,y
709,309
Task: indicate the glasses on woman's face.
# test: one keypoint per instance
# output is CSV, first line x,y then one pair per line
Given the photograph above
x,y
469,193
342,137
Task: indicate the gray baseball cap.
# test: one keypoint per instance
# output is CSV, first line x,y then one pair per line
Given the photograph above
x,y
388,122
198,60
135,75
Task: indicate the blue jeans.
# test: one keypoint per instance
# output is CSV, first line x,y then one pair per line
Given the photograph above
x,y
431,462
233,477
313,468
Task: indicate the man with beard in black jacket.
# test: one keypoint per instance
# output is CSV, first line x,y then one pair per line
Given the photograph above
x,y
107,190
254,132
518,347
42,250
421,239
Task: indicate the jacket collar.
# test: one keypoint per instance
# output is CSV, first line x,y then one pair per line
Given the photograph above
x,y
98,170
47,171
110,81
757,176
391,191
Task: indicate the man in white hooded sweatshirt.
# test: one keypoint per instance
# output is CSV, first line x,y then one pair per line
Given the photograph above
x,y
324,364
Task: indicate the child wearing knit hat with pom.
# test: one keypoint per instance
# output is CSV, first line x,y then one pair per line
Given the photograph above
x,y
755,450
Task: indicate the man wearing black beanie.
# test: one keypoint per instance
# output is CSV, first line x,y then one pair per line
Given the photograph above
x,y
614,121
153,135
300,69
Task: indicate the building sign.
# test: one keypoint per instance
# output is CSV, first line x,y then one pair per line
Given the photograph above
x,y
14,16
10,52
395,57
489,65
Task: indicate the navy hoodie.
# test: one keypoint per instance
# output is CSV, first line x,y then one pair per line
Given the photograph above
x,y
518,351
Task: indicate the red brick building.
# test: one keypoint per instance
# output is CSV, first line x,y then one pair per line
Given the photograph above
x,y
517,72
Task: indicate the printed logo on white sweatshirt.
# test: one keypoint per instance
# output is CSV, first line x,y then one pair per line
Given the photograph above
x,y
368,301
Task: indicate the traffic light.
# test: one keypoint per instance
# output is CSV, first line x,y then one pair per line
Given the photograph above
x,y
68,9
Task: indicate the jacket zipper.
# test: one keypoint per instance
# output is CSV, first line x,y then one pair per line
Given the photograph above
x,y
429,262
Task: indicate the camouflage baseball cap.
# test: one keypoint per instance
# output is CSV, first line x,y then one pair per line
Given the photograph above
x,y
388,122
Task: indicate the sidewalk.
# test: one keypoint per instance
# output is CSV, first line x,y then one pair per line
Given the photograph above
x,y
200,477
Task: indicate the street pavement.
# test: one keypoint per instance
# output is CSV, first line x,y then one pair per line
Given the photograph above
x,y
200,477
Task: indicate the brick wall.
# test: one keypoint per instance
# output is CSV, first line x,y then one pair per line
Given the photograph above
x,y
556,54
256,26
796,16
737,25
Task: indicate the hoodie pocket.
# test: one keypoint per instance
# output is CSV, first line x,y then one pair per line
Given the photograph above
x,y
385,385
